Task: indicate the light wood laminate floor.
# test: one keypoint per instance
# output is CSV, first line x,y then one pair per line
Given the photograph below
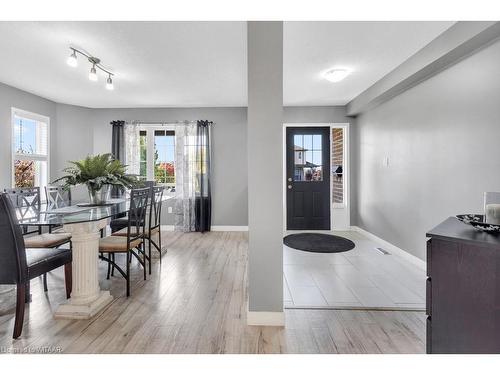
x,y
196,303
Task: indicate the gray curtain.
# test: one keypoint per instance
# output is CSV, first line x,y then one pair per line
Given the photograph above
x,y
203,202
117,147
193,203
117,140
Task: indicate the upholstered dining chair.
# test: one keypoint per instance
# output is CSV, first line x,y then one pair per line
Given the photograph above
x,y
24,200
20,264
133,243
153,223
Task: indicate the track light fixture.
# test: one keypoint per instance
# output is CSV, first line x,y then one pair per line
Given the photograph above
x,y
96,63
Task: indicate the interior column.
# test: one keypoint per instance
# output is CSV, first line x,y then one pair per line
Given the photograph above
x,y
265,173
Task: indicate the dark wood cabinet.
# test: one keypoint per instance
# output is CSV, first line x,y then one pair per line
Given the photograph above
x,y
463,289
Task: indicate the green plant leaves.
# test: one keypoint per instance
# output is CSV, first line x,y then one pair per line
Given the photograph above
x,y
97,171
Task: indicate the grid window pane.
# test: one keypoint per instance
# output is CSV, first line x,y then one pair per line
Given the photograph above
x,y
164,158
308,141
317,157
30,136
143,146
30,173
298,141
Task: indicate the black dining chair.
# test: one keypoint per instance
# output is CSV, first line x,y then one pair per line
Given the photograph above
x,y
26,201
120,223
133,243
153,226
19,264
27,198
57,196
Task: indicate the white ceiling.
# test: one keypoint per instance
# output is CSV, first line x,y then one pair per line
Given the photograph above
x,y
190,64
369,49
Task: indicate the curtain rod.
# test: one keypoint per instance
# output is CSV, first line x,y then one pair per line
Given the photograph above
x,y
162,123
165,123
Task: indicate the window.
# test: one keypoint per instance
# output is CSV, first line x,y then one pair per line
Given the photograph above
x,y
338,165
157,162
30,149
164,159
308,157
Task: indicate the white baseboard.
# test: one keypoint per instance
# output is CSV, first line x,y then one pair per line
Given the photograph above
x,y
266,318
392,248
229,228
214,228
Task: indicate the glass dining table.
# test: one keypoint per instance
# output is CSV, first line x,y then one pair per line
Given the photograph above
x,y
84,223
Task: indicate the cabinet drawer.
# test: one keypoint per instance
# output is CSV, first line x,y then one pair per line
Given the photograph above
x,y
428,296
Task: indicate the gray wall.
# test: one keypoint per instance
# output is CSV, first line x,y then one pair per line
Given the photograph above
x,y
442,140
315,114
229,143
265,166
73,140
12,97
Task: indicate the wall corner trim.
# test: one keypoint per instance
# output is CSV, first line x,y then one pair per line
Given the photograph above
x,y
392,248
266,318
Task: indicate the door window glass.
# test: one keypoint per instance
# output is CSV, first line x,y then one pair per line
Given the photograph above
x,y
308,160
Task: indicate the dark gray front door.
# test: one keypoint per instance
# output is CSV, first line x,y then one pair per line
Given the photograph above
x,y
308,177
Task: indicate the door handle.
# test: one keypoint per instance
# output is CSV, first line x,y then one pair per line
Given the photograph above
x,y
289,186
289,179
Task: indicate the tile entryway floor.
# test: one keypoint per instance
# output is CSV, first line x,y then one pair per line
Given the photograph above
x,y
359,278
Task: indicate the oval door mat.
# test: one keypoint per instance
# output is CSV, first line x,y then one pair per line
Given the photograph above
x,y
318,243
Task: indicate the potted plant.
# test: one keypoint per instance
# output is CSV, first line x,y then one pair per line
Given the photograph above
x,y
98,173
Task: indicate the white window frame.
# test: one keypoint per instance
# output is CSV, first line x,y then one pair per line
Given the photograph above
x,y
150,151
16,112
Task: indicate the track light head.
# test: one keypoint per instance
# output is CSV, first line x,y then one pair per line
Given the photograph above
x,y
109,83
72,61
93,74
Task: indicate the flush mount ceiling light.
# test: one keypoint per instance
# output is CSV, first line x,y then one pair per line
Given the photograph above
x,y
336,75
96,63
